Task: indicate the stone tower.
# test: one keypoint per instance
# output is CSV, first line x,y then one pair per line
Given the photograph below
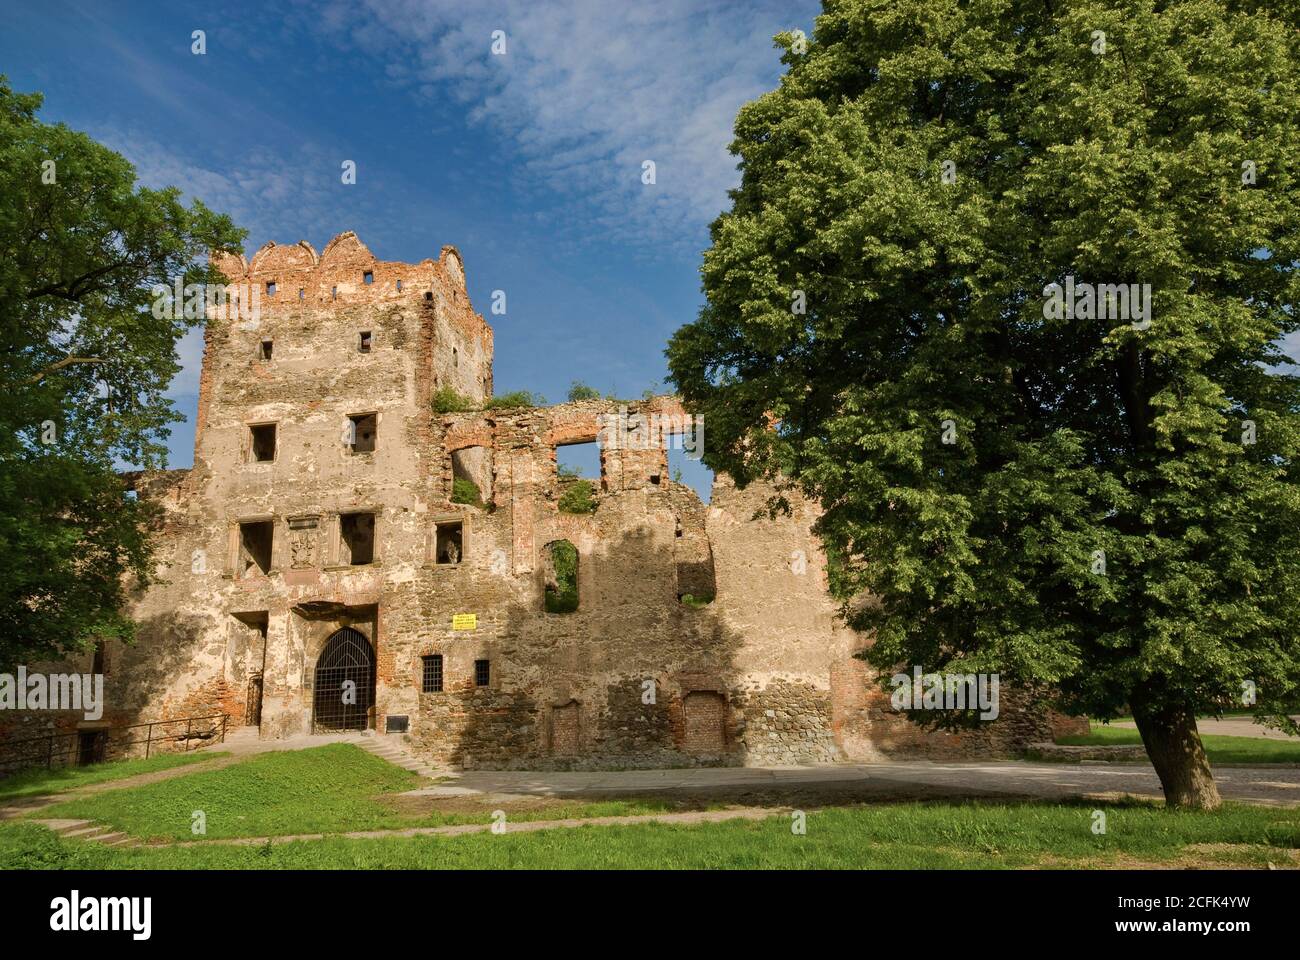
x,y
311,444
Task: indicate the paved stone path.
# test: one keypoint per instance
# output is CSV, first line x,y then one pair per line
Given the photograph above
x,y
523,826
1279,785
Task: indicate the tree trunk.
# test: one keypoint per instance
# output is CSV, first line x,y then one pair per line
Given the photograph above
x,y
1171,741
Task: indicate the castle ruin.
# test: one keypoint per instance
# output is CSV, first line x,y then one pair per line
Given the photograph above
x,y
314,551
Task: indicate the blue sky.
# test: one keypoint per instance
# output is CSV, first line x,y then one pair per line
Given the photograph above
x,y
530,162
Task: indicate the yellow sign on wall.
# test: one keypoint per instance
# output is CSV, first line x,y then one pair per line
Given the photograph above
x,y
464,621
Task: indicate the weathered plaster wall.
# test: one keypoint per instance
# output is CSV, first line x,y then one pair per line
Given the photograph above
x,y
764,673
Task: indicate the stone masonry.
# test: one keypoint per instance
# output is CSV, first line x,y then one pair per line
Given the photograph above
x,y
315,543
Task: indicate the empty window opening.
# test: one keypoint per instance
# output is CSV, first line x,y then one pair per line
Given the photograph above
x,y
265,353
428,295
100,665
578,460
368,276
686,467
432,674
577,470
450,544
482,673
357,538
261,442
255,547
697,584
363,429
471,476
455,357
270,288
363,342
560,573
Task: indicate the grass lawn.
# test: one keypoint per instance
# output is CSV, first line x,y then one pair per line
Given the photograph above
x,y
34,782
901,835
339,787
328,789
1220,749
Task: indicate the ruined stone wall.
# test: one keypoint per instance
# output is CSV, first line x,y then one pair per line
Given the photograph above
x,y
704,634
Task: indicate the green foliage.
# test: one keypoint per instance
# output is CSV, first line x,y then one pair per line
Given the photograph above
x,y
580,391
562,595
300,791
876,836
464,490
36,781
691,600
518,398
577,497
1220,748
447,400
84,365
925,303
327,789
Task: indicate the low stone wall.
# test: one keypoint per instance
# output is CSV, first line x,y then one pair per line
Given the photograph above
x,y
1060,753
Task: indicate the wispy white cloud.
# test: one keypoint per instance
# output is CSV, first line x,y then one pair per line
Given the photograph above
x,y
260,189
588,90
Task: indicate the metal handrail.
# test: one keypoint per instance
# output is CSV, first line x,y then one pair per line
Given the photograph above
x,y
112,744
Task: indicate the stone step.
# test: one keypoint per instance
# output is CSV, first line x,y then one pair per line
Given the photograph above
x,y
109,839
87,833
398,755
61,827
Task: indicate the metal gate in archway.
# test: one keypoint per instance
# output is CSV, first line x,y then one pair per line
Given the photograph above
x,y
344,686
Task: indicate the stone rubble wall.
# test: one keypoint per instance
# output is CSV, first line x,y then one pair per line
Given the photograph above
x,y
765,673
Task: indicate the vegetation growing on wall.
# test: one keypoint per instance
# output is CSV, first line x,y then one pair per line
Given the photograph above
x,y
562,594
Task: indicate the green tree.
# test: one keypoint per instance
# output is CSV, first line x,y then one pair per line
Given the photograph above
x,y
580,391
1083,501
561,594
83,368
578,495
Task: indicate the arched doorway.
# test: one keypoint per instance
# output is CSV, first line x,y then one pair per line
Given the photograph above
x,y
344,687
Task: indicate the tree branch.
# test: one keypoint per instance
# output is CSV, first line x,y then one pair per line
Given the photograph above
x,y
65,362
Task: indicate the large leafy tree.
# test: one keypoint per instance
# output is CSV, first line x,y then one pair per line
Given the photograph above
x,y
84,364
1104,506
